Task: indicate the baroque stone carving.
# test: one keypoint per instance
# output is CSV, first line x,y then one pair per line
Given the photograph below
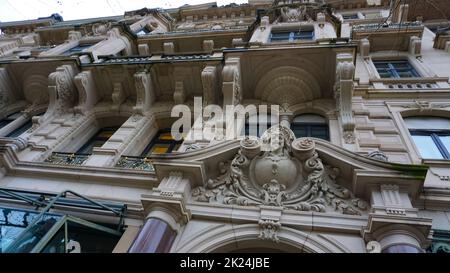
x,y
62,93
269,230
425,105
279,170
294,14
349,137
231,75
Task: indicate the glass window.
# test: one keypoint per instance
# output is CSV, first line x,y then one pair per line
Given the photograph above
x,y
431,136
310,125
256,125
22,129
162,143
350,16
291,35
97,140
77,49
395,69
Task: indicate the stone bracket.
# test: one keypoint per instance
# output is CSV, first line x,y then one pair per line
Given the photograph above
x,y
345,71
231,88
145,94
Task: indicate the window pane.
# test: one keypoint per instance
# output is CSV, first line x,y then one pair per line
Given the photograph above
x,y
160,148
446,141
319,132
427,147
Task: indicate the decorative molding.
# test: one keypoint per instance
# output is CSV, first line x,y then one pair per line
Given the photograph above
x,y
378,155
279,171
209,82
118,95
269,230
345,70
62,93
349,137
423,105
373,247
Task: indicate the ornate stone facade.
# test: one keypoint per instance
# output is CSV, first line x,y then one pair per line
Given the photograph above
x,y
338,169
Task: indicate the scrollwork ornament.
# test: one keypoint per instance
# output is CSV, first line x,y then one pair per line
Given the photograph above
x,y
289,174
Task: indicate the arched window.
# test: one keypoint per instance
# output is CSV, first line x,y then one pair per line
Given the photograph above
x,y
431,136
256,125
97,140
310,125
162,143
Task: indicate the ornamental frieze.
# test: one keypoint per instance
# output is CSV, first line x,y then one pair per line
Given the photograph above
x,y
279,170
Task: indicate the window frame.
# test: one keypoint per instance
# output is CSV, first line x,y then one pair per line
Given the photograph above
x,y
155,140
435,136
393,71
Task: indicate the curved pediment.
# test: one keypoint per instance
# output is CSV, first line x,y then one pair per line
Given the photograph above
x,y
278,170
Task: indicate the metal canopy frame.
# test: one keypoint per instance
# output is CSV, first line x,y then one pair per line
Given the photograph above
x,y
65,219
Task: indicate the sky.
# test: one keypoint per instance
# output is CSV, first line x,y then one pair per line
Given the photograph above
x,y
16,10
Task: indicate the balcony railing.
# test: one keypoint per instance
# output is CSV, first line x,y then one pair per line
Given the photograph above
x,y
135,163
67,159
391,26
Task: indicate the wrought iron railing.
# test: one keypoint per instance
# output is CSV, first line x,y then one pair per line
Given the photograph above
x,y
67,159
135,163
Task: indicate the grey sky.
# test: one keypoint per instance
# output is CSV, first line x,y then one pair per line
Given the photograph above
x,y
15,10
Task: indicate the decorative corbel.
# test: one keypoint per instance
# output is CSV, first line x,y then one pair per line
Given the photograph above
x,y
231,88
62,93
209,82
5,95
345,70
87,93
145,94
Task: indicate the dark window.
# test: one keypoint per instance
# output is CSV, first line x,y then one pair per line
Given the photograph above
x,y
162,143
77,49
9,119
431,136
350,16
257,125
395,69
287,35
22,129
97,140
309,125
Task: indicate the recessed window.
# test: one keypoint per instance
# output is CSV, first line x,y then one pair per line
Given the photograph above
x,y
291,35
143,31
350,16
431,136
19,130
395,69
97,140
162,143
256,125
310,125
77,49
